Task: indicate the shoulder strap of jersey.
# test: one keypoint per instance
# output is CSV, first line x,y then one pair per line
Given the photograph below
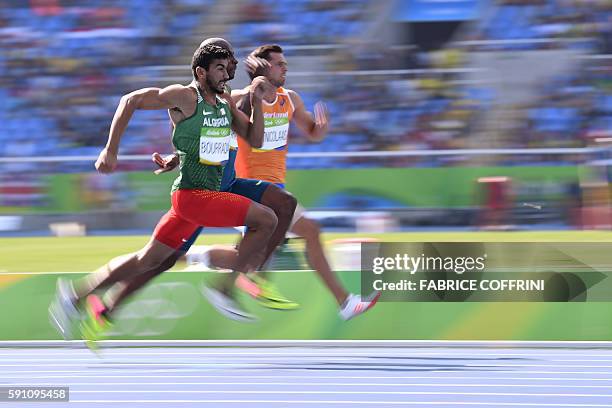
x,y
284,92
195,86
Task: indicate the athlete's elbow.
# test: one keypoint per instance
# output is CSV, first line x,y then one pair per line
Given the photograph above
x,y
316,133
132,100
315,137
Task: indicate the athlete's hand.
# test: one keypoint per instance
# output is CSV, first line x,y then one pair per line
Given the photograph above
x,y
321,115
107,161
256,66
165,164
259,87
321,123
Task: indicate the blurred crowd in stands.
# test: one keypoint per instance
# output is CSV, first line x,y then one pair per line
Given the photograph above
x,y
65,63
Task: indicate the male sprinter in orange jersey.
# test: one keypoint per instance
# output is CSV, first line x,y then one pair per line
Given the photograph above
x,y
268,162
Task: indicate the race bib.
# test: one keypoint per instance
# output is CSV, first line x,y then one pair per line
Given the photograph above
x,y
214,145
275,136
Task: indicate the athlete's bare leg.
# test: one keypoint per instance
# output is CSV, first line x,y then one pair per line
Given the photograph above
x,y
260,221
278,200
315,254
117,294
152,256
283,204
153,259
223,256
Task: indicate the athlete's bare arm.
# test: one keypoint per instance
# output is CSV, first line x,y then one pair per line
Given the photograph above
x,y
251,129
240,103
180,98
239,99
239,94
314,127
242,99
165,163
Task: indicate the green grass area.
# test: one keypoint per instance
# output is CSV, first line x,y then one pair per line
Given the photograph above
x,y
24,298
50,254
23,315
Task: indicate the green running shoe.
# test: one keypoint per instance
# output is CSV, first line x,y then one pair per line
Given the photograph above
x,y
95,325
265,292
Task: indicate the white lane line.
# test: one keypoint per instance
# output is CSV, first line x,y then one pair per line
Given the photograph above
x,y
486,374
108,358
316,392
463,366
344,357
565,357
371,359
423,344
328,402
264,353
333,384
338,377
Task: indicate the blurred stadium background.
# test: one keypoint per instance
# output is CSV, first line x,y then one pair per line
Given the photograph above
x,y
446,115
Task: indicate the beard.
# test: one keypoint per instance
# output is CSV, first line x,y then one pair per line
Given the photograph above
x,y
278,82
214,88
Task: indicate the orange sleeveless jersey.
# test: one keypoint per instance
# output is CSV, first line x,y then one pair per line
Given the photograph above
x,y
269,163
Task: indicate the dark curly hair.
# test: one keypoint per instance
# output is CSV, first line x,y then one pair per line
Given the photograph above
x,y
203,56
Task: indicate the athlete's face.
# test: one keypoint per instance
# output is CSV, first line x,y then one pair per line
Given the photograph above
x,y
233,62
278,69
217,75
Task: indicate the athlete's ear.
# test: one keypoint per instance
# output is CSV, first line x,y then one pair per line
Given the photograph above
x,y
201,73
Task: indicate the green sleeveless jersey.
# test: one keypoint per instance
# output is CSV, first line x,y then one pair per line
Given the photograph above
x,y
202,143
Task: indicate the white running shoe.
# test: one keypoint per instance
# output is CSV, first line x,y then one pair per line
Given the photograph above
x,y
226,305
198,258
354,305
63,312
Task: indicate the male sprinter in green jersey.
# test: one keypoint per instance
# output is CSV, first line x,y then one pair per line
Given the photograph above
x,y
202,122
280,201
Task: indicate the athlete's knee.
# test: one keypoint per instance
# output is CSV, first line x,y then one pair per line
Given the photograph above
x,y
149,260
285,206
289,203
269,220
281,201
261,217
168,263
146,262
309,229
